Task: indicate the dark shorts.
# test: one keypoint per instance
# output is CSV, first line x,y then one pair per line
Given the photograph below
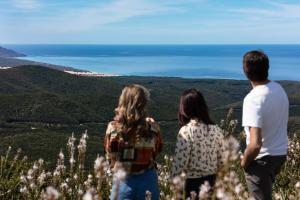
x,y
193,184
261,174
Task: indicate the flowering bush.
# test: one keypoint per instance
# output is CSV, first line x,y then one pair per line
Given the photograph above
x,y
70,179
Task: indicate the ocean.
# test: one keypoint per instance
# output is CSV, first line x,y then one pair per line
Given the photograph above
x,y
188,61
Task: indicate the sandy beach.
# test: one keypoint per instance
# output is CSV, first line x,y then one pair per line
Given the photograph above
x,y
90,74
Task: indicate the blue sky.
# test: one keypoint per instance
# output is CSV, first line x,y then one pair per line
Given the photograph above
x,y
150,21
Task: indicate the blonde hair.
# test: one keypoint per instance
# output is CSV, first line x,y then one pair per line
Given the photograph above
x,y
131,110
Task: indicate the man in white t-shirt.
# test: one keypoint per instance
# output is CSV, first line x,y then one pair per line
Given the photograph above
x,y
265,118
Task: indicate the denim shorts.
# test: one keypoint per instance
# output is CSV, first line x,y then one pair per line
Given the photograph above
x,y
134,187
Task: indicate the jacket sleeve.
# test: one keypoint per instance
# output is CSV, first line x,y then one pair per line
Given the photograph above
x,y
182,152
158,143
154,126
108,139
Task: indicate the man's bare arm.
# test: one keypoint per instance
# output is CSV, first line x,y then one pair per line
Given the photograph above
x,y
253,147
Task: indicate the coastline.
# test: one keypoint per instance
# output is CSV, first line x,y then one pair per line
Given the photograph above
x,y
2,68
10,62
89,74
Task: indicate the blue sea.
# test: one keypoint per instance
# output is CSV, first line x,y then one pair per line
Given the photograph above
x,y
189,61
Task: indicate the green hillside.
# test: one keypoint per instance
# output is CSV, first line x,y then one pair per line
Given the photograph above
x,y
41,107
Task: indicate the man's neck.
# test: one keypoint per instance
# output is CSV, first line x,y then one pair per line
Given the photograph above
x,y
257,83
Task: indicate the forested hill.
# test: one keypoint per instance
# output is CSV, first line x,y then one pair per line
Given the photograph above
x,y
34,93
41,107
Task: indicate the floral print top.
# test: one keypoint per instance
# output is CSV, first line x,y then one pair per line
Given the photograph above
x,y
198,150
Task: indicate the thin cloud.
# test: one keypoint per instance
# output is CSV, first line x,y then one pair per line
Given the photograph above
x,y
114,22
26,4
277,10
95,16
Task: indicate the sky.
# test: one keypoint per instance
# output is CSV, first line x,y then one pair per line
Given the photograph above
x,y
149,22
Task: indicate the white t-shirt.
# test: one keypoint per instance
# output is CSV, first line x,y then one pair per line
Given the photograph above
x,y
267,107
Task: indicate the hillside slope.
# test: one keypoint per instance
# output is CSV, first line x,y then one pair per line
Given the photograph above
x,y
28,91
41,107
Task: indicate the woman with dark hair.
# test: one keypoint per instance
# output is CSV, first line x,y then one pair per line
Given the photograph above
x,y
132,142
200,143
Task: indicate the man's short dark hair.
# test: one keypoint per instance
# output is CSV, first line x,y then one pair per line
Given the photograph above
x,y
256,66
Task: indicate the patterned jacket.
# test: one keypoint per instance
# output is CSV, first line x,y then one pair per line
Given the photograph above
x,y
136,153
199,150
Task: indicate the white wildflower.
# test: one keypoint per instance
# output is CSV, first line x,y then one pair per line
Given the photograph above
x,y
88,196
178,183
232,144
193,195
119,175
166,157
32,186
148,195
51,193
204,190
29,174
238,188
41,178
80,191
277,196
183,175
23,179
61,155
72,161
35,167
23,189
64,186
41,161
75,177
297,186
220,193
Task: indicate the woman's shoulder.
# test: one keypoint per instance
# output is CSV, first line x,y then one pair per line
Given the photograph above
x,y
154,126
185,131
111,127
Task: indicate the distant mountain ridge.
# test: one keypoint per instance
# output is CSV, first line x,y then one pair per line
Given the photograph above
x,y
8,59
4,52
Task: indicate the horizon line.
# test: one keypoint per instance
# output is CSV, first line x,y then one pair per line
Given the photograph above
x,y
153,44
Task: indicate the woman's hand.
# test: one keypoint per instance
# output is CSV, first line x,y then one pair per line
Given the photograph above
x,y
150,120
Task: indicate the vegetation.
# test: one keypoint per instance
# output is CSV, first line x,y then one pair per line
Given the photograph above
x,y
71,180
40,107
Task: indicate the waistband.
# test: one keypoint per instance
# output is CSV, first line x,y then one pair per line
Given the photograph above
x,y
137,170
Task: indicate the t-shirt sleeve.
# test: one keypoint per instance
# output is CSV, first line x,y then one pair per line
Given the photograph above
x,y
252,113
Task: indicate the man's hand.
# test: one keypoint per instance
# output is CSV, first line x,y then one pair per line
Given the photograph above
x,y
253,147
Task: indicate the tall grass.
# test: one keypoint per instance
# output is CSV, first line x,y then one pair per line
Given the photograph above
x,y
20,179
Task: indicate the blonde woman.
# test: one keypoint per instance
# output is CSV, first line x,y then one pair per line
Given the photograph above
x,y
134,141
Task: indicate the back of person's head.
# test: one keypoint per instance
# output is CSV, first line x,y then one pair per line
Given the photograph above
x,y
193,106
131,110
256,66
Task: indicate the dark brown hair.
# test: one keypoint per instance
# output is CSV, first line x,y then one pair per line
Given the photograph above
x,y
193,106
256,65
